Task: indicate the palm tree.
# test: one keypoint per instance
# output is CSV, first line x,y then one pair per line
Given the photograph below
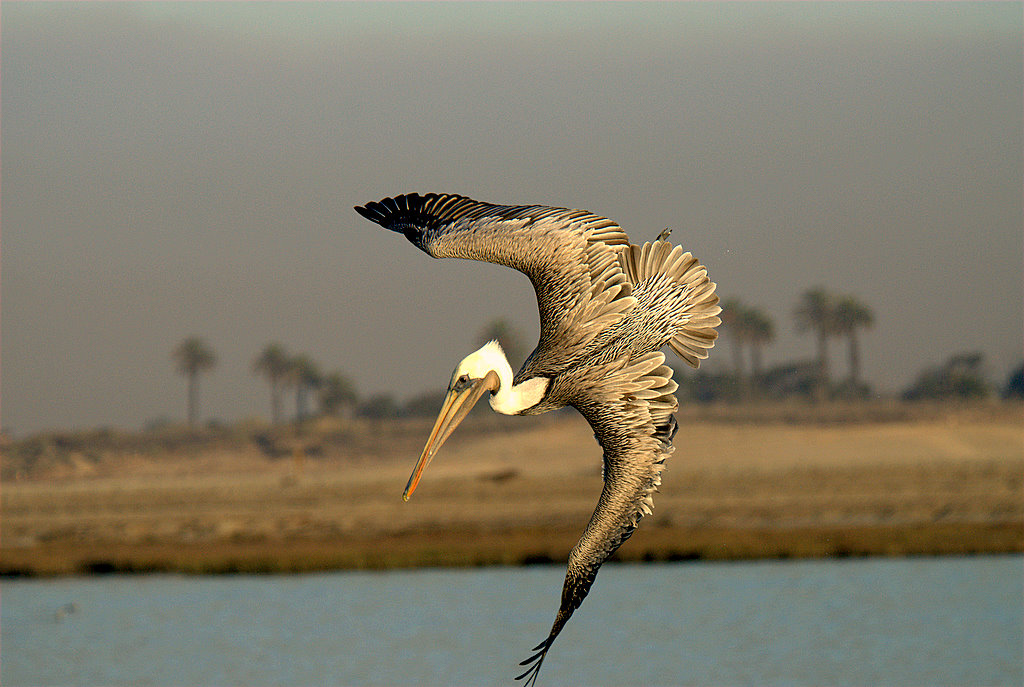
x,y
751,327
193,356
759,330
337,394
734,320
273,363
816,312
851,315
305,375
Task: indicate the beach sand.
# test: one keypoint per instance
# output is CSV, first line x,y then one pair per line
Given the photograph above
x,y
765,482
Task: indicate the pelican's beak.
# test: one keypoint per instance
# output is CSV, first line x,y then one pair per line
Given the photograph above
x,y
460,400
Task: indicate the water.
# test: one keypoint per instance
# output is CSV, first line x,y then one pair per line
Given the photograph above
x,y
943,621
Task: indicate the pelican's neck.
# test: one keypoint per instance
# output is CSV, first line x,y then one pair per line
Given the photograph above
x,y
509,399
512,400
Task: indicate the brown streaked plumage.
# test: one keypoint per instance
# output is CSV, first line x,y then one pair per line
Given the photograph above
x,y
606,309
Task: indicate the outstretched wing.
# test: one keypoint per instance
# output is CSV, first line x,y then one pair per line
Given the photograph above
x,y
629,406
570,256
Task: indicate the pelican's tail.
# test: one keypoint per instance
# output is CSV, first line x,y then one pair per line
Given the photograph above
x,y
697,315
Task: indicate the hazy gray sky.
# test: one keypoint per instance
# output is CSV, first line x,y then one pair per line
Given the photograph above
x,y
172,169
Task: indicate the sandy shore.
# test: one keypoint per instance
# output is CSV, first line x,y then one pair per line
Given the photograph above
x,y
520,490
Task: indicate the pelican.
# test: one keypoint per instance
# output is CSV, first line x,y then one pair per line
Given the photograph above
x,y
607,307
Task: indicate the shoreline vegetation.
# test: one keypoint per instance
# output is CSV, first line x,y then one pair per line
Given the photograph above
x,y
768,481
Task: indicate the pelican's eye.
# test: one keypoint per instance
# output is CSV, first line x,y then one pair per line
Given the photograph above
x,y
461,383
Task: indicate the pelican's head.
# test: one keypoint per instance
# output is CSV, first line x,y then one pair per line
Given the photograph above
x,y
484,370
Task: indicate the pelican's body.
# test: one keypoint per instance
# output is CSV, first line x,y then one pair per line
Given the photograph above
x,y
607,308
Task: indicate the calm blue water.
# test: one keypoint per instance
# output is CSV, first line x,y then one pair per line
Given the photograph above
x,y
942,621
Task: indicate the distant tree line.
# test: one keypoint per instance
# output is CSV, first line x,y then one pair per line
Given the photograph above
x,y
314,392
961,376
826,316
747,329
333,392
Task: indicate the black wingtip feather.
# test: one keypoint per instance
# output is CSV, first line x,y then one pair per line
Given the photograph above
x,y
532,658
536,660
533,671
389,211
370,212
